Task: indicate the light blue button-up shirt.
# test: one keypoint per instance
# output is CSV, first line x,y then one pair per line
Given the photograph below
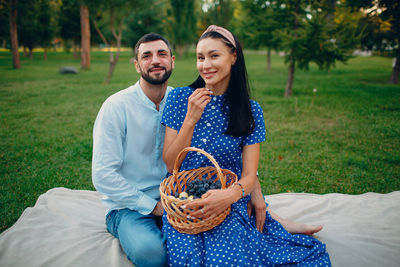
x,y
128,138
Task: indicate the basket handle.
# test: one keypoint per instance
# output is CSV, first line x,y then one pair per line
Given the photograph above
x,y
179,159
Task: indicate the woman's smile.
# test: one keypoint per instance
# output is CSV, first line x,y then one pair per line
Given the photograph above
x,y
209,75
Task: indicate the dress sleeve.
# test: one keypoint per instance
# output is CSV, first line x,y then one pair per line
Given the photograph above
x,y
175,109
258,134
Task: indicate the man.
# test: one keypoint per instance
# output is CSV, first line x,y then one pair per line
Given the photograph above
x,y
127,165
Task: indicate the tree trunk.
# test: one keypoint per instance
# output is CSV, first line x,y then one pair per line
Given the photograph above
x,y
114,61
75,49
85,34
396,69
289,84
13,34
331,11
25,52
45,54
30,53
269,60
180,50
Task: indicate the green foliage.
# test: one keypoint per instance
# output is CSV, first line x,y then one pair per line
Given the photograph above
x,y
260,23
27,23
47,27
142,21
69,21
36,23
4,21
183,22
119,17
217,12
311,36
381,24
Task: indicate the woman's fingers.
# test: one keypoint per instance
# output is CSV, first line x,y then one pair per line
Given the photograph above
x,y
260,220
201,93
249,208
200,98
197,102
211,204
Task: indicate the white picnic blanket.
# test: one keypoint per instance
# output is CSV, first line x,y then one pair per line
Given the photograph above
x,y
66,228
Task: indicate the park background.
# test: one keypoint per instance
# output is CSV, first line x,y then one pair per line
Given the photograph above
x,y
332,115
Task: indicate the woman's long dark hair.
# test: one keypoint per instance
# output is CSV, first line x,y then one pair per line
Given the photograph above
x,y
240,117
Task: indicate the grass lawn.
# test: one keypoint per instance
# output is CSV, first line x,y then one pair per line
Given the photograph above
x,y
345,138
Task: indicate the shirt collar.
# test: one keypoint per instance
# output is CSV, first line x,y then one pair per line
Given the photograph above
x,y
143,97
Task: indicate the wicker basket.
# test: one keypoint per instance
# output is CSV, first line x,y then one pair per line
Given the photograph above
x,y
177,216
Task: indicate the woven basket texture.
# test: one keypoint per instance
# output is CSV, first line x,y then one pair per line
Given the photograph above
x,y
177,216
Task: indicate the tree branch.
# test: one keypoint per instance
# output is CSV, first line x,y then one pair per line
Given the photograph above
x,y
100,33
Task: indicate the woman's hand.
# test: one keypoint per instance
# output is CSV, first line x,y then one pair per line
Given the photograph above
x,y
213,203
257,203
196,104
175,141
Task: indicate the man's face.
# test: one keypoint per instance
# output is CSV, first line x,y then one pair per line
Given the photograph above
x,y
154,62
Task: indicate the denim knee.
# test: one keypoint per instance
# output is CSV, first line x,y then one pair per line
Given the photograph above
x,y
148,253
140,238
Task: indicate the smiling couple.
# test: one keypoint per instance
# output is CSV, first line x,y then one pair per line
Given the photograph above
x,y
140,130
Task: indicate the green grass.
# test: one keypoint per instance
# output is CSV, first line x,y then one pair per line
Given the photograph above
x,y
345,139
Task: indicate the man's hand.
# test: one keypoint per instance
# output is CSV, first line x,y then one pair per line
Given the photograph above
x,y
158,209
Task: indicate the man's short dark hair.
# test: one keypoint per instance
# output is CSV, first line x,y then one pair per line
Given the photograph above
x,y
150,37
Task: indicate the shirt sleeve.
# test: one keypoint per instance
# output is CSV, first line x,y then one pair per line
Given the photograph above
x,y
258,134
109,133
175,109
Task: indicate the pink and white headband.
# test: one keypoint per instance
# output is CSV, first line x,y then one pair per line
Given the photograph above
x,y
224,32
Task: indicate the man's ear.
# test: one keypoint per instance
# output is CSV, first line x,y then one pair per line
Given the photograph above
x,y
173,61
136,66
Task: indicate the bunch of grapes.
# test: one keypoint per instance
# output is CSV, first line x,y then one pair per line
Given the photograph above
x,y
196,188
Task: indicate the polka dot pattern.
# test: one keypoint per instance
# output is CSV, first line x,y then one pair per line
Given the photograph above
x,y
236,241
209,131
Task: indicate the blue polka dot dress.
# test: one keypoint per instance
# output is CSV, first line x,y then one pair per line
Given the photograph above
x,y
236,241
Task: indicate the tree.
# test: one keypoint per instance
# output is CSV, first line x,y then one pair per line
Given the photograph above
x,y
14,34
4,23
142,20
183,24
46,29
217,12
391,13
261,21
69,23
85,36
311,36
28,25
114,13
381,25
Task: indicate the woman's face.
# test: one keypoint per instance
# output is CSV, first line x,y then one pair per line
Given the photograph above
x,y
214,62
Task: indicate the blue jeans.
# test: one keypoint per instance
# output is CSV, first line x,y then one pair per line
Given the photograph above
x,y
140,236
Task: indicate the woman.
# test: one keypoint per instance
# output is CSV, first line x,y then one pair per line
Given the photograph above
x,y
216,115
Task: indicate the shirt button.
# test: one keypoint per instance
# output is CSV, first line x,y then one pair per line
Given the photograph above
x,y
204,140
214,98
213,107
208,124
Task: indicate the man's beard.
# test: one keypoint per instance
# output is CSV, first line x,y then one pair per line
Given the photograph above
x,y
156,81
